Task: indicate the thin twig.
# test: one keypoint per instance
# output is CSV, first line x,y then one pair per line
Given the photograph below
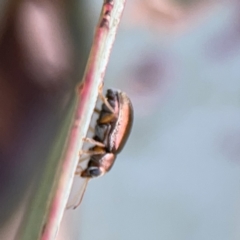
x,y
50,206
95,71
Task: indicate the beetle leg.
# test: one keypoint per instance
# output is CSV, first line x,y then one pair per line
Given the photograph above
x,y
105,101
90,140
107,118
92,152
96,110
79,171
82,160
91,129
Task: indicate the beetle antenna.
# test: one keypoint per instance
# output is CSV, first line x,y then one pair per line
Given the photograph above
x,y
82,192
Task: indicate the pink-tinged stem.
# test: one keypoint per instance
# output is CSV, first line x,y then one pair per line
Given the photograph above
x,y
54,203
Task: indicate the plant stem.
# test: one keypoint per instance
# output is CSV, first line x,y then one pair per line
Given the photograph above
x,y
48,206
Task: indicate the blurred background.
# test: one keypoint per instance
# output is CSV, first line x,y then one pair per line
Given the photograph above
x,y
178,176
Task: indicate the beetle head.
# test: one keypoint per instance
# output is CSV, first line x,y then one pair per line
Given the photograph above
x,y
92,172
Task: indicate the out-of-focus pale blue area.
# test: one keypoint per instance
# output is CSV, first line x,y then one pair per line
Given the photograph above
x,y
179,174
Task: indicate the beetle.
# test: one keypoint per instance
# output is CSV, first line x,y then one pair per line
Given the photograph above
x,y
112,130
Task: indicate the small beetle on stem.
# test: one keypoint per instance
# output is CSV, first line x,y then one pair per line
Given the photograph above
x,y
111,133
